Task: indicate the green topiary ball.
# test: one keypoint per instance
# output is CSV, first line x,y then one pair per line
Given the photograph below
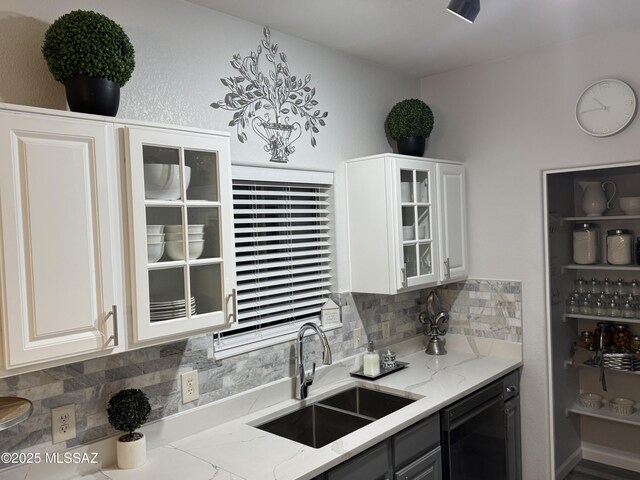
x,y
83,42
128,410
409,118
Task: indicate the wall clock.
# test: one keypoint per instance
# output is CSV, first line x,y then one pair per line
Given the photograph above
x,y
606,107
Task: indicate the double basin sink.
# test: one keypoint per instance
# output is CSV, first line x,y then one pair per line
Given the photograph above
x,y
327,420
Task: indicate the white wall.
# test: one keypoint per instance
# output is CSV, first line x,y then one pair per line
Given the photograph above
x,y
182,51
508,120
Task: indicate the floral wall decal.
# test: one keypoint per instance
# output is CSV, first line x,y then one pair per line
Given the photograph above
x,y
264,97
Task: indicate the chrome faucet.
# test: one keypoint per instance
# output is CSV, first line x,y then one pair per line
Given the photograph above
x,y
304,381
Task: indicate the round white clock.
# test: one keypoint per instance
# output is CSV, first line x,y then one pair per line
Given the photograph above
x,y
606,107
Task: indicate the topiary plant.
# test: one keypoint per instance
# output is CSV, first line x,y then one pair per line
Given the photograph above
x,y
409,118
83,42
127,411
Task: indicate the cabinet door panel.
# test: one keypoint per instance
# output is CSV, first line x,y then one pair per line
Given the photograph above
x,y
427,467
180,188
452,222
57,193
414,193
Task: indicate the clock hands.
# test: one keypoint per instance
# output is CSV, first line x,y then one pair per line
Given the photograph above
x,y
604,107
593,110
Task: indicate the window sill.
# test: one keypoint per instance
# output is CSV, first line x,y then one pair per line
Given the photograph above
x,y
249,342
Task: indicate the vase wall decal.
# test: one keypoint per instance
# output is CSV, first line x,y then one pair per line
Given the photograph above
x,y
277,136
260,92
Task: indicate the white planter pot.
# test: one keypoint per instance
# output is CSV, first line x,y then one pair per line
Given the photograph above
x,y
132,454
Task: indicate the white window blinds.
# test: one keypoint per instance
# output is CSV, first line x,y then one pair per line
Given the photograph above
x,y
283,247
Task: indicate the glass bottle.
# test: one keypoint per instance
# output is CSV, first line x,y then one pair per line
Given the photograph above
x,y
635,344
614,309
607,287
572,306
621,287
634,288
587,340
600,308
628,310
594,286
585,307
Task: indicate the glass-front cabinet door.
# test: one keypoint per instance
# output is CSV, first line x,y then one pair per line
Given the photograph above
x,y
182,232
414,186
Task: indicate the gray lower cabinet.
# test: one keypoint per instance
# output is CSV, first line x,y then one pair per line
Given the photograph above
x,y
370,465
427,467
413,454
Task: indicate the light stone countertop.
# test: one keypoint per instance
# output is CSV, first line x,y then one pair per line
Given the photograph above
x,y
218,442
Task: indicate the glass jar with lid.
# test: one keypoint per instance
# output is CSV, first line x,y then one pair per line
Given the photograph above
x,y
619,247
606,330
586,243
621,338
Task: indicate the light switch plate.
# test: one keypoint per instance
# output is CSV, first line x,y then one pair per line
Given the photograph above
x,y
386,329
357,337
190,388
63,423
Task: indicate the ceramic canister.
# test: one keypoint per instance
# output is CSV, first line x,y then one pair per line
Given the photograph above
x,y
388,360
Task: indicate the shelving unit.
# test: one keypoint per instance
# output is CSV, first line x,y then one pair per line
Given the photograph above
x,y
596,434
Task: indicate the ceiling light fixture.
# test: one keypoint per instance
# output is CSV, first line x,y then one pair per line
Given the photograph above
x,y
465,9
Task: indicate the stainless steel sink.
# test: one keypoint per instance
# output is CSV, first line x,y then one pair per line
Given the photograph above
x,y
332,418
315,426
369,403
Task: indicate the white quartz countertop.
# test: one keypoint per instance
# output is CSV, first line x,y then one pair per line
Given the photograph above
x,y
236,450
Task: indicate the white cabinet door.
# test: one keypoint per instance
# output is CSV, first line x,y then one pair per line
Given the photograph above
x,y
413,196
58,202
452,222
180,187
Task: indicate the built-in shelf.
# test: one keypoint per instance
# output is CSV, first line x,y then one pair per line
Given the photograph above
x,y
601,267
599,318
616,218
571,363
605,414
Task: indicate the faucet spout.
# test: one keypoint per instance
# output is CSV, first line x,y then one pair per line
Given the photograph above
x,y
304,381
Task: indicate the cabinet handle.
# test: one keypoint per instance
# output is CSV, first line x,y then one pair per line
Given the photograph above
x,y
114,316
447,274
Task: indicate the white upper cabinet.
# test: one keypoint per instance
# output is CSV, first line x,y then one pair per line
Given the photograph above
x,y
59,227
452,222
179,186
406,223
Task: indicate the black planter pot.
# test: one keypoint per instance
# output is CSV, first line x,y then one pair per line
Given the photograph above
x,y
413,146
95,95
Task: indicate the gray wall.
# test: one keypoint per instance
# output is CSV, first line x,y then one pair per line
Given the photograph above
x,y
508,120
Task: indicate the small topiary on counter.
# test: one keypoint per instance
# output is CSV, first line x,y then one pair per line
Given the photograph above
x,y
83,42
409,118
127,411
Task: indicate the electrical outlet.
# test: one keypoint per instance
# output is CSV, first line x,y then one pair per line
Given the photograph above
x,y
386,329
190,390
357,337
63,423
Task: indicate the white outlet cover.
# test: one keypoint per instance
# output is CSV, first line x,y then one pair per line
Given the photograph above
x,y
357,337
190,388
386,329
63,423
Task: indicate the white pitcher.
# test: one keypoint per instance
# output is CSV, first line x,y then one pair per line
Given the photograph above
x,y
594,198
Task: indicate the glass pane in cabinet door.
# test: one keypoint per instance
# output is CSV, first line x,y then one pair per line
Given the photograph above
x,y
410,262
203,168
422,187
424,224
162,173
406,186
426,263
167,294
204,232
408,224
164,230
206,288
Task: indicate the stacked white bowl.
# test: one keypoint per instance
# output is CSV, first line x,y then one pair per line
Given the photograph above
x,y
174,241
162,181
155,242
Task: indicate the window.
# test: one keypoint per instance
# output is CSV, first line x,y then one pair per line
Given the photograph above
x,y
283,252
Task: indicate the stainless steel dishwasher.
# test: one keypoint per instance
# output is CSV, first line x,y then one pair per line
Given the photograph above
x,y
480,434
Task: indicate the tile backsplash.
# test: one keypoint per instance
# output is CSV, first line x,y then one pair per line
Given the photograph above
x,y
484,308
478,307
